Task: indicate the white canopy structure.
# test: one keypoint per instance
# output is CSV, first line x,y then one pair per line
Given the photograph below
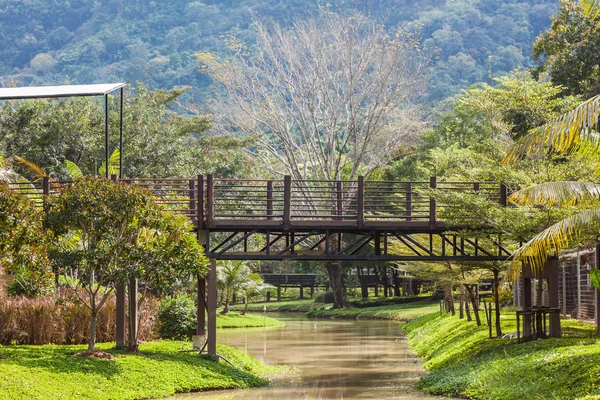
x,y
53,92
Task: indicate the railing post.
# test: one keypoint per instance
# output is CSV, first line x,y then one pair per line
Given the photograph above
x,y
339,194
46,185
503,196
200,200
360,202
476,186
408,204
287,200
210,200
269,200
432,203
192,200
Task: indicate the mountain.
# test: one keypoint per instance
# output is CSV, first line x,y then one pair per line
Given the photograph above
x,y
91,41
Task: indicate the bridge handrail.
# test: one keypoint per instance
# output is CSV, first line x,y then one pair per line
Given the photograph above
x,y
207,200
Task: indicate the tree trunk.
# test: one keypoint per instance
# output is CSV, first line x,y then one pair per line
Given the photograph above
x,y
461,307
226,308
450,300
245,306
467,309
471,293
92,338
334,270
396,282
497,304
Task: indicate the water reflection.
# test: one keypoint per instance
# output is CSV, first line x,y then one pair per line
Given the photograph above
x,y
336,360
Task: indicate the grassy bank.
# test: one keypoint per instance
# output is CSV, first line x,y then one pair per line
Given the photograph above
x,y
462,361
393,312
236,320
279,306
50,371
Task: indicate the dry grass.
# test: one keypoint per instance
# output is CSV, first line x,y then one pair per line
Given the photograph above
x,y
62,320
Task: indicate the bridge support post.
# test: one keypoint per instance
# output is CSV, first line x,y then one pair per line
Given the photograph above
x,y
551,273
121,318
597,266
212,309
278,293
312,292
526,298
301,292
201,307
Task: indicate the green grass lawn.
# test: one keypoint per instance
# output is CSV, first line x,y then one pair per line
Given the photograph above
x,y
392,312
279,306
463,362
53,372
236,320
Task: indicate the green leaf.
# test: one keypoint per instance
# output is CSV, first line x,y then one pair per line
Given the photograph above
x,y
73,170
595,278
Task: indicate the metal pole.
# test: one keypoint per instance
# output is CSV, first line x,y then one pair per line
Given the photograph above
x,y
121,137
106,134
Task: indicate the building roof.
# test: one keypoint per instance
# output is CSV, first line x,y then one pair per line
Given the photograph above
x,y
38,92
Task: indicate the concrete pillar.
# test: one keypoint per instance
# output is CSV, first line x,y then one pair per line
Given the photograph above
x,y
121,317
551,274
212,308
526,298
201,307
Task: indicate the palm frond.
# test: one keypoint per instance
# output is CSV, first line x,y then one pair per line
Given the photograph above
x,y
572,131
36,172
567,194
591,8
566,233
113,164
73,170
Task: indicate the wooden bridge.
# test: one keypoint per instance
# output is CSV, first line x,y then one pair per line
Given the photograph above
x,y
318,220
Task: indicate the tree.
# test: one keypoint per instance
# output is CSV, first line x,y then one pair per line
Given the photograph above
x,y
324,103
232,278
572,133
570,49
104,233
23,243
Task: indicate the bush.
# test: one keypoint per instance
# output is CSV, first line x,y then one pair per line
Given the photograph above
x,y
324,297
177,317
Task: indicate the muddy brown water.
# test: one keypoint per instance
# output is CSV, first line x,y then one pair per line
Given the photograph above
x,y
334,360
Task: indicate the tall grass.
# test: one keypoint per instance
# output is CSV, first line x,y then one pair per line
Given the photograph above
x,y
62,320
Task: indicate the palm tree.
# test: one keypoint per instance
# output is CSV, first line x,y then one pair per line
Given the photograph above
x,y
572,133
231,278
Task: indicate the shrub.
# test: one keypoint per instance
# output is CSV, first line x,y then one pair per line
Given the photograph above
x,y
177,317
324,297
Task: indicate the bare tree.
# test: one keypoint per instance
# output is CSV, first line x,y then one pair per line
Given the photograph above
x,y
328,99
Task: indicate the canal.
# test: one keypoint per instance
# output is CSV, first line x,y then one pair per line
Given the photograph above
x,y
334,360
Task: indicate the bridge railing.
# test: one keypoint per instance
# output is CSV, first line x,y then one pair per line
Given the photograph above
x,y
208,201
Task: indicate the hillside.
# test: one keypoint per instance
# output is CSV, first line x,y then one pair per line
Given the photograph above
x,y
88,41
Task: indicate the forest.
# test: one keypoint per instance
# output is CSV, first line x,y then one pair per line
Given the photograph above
x,y
85,41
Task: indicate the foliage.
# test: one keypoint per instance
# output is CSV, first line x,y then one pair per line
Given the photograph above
x,y
235,277
324,297
236,320
132,41
40,372
23,244
106,233
570,49
54,134
463,362
277,306
177,317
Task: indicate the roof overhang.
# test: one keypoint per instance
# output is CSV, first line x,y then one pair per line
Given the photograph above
x,y
50,92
